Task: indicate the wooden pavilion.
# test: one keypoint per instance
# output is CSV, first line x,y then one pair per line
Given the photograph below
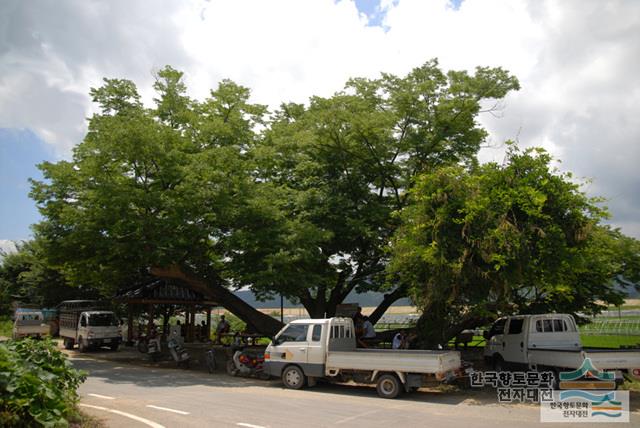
x,y
162,296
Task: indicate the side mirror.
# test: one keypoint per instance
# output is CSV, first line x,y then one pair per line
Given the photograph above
x,y
485,334
274,341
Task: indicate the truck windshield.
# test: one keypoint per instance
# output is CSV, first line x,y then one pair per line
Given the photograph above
x,y
294,333
102,320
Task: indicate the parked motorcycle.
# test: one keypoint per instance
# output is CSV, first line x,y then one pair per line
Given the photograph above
x,y
179,354
150,345
247,362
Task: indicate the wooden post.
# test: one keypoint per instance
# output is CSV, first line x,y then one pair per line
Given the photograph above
x,y
208,332
151,317
192,324
130,323
187,319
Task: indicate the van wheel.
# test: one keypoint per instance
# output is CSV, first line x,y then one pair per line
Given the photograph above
x,y
82,346
293,377
388,386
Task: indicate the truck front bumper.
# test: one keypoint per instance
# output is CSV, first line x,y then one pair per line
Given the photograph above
x,y
108,341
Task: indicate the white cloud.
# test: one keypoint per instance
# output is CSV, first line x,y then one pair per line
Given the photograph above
x,y
7,247
577,61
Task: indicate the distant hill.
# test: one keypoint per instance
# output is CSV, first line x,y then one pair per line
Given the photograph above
x,y
363,299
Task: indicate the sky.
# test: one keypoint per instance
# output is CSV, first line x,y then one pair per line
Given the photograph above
x,y
577,60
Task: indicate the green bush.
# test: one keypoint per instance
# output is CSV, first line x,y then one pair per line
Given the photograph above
x,y
37,384
6,326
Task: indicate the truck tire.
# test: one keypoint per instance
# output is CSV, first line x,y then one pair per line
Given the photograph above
x,y
68,343
498,363
114,346
82,346
388,386
293,377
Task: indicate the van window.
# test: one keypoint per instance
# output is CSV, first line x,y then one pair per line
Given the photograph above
x,y
558,325
334,332
294,333
497,327
515,325
317,332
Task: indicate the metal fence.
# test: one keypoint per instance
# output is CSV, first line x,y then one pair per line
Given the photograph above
x,y
612,326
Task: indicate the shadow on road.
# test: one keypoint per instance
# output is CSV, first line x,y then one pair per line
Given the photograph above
x,y
127,367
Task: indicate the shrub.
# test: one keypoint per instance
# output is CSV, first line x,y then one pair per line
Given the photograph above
x,y
37,384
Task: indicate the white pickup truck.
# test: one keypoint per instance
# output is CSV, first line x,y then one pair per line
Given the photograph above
x,y
305,350
550,342
89,329
29,323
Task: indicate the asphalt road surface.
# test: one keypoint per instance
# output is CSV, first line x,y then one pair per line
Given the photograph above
x,y
125,395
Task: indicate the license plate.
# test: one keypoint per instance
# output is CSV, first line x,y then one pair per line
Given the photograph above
x,y
107,340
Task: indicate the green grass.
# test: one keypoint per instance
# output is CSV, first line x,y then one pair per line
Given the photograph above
x,y
593,341
6,326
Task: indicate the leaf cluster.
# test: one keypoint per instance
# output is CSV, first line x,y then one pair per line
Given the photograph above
x,y
37,384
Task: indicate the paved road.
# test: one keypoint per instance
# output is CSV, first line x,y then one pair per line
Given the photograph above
x,y
134,396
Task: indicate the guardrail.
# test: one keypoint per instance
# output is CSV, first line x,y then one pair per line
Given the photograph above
x,y
607,326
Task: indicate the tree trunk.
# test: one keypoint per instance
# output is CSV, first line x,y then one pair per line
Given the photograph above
x,y
388,300
256,320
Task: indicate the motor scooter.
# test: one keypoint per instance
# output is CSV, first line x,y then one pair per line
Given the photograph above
x,y
247,362
179,354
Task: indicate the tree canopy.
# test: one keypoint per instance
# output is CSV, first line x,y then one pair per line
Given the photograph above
x,y
499,239
222,194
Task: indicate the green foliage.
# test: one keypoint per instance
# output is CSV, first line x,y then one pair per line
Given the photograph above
x,y
338,168
6,326
512,238
26,276
37,384
301,208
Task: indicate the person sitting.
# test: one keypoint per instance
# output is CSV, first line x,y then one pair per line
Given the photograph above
x,y
222,328
368,331
400,340
204,331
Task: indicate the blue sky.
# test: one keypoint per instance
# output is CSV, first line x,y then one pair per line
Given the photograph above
x,y
20,151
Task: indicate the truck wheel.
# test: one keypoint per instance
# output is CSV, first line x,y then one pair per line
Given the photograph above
x,y
82,346
388,386
114,346
293,377
68,343
498,364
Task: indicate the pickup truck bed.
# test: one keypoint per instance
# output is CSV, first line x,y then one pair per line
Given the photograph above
x,y
389,360
603,359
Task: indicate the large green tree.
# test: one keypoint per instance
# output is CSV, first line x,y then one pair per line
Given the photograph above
x,y
25,276
219,195
154,191
342,165
499,239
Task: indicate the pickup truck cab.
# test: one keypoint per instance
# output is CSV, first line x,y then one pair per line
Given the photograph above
x,y
29,323
550,342
90,329
307,350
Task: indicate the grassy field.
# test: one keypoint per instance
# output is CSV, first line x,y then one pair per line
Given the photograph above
x,y
591,341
